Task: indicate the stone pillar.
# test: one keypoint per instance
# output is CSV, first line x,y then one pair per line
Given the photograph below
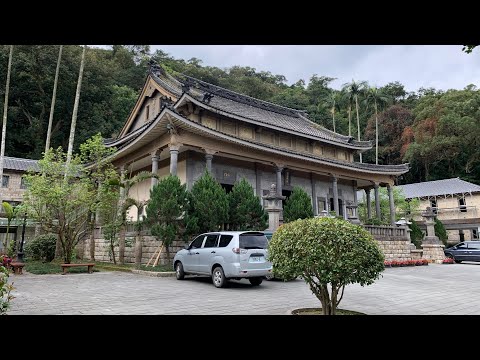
x,y
279,169
335,196
432,248
273,206
369,203
154,168
355,198
209,158
173,159
392,204
122,179
314,195
377,202
258,183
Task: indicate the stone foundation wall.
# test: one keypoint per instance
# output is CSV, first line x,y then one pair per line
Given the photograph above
x,y
416,254
150,244
433,253
395,249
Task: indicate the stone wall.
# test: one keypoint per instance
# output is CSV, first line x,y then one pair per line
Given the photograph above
x,y
395,249
416,254
150,244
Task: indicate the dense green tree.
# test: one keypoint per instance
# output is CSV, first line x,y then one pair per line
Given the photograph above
x,y
208,206
297,206
416,235
329,254
245,210
165,210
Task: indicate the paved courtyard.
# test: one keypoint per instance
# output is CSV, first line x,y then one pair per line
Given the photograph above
x,y
433,289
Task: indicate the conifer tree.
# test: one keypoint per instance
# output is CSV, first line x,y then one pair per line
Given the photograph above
x,y
208,206
245,210
297,206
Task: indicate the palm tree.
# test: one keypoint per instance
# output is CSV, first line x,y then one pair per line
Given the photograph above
x,y
348,99
75,109
334,103
54,96
5,108
355,89
379,99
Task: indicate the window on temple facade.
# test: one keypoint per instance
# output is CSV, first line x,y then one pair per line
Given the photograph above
x,y
5,181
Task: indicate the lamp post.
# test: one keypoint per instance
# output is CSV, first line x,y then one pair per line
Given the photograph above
x,y
20,251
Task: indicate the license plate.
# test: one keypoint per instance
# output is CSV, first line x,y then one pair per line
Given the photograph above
x,y
256,258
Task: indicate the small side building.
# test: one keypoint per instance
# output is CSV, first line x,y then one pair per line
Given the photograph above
x,y
12,190
456,203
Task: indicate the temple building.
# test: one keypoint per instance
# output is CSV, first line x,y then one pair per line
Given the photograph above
x,y
183,126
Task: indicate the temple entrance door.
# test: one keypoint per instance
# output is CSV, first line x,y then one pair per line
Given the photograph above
x,y
228,187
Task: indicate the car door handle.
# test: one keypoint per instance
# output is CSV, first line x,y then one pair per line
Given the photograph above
x,y
197,253
213,252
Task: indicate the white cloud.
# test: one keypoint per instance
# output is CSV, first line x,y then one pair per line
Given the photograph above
x,y
415,66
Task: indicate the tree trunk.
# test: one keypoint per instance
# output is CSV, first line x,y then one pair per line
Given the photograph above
x,y
75,110
112,247
138,251
92,246
358,124
121,245
58,249
54,96
376,134
5,109
350,120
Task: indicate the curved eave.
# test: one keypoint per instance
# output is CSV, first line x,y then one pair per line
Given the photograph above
x,y
363,168
188,97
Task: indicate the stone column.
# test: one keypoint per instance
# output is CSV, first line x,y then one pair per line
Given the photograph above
x,y
369,203
173,159
154,168
355,198
377,202
392,204
432,248
273,206
209,158
279,169
314,195
258,183
335,196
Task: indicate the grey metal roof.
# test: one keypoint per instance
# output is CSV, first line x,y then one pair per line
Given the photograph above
x,y
251,108
438,188
19,164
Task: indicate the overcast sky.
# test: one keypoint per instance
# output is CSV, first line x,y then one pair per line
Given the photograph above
x,y
439,66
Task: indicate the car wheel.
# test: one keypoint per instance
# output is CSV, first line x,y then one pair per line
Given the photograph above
x,y
255,281
179,273
218,277
450,256
458,261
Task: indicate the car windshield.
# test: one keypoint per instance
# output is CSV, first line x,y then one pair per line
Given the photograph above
x,y
253,241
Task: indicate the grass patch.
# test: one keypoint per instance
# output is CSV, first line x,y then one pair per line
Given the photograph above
x,y
41,268
318,311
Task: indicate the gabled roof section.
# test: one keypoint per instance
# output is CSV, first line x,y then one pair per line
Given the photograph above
x,y
246,108
439,188
20,164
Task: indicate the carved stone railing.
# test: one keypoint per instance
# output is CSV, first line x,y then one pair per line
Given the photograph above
x,y
386,232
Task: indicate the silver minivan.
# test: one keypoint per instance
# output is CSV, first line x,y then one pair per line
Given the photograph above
x,y
225,255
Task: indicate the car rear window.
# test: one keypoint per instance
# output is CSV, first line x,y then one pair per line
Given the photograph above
x,y
253,241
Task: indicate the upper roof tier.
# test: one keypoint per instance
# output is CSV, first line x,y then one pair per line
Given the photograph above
x,y
221,100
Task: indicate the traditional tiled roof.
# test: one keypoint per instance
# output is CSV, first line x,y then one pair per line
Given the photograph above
x,y
185,122
438,188
251,109
19,164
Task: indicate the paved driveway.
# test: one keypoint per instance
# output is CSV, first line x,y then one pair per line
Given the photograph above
x,y
433,289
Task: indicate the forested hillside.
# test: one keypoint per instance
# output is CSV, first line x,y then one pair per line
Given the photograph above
x,y
435,131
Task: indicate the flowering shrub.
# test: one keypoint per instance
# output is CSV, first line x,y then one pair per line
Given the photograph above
x,y
387,263
5,289
447,261
395,263
5,261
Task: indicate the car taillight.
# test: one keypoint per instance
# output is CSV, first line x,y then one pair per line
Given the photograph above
x,y
236,250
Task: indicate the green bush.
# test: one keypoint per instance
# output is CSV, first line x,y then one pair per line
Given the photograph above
x,y
416,235
441,232
328,254
5,289
42,248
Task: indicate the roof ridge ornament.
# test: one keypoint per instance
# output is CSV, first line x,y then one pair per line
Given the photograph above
x,y
155,68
